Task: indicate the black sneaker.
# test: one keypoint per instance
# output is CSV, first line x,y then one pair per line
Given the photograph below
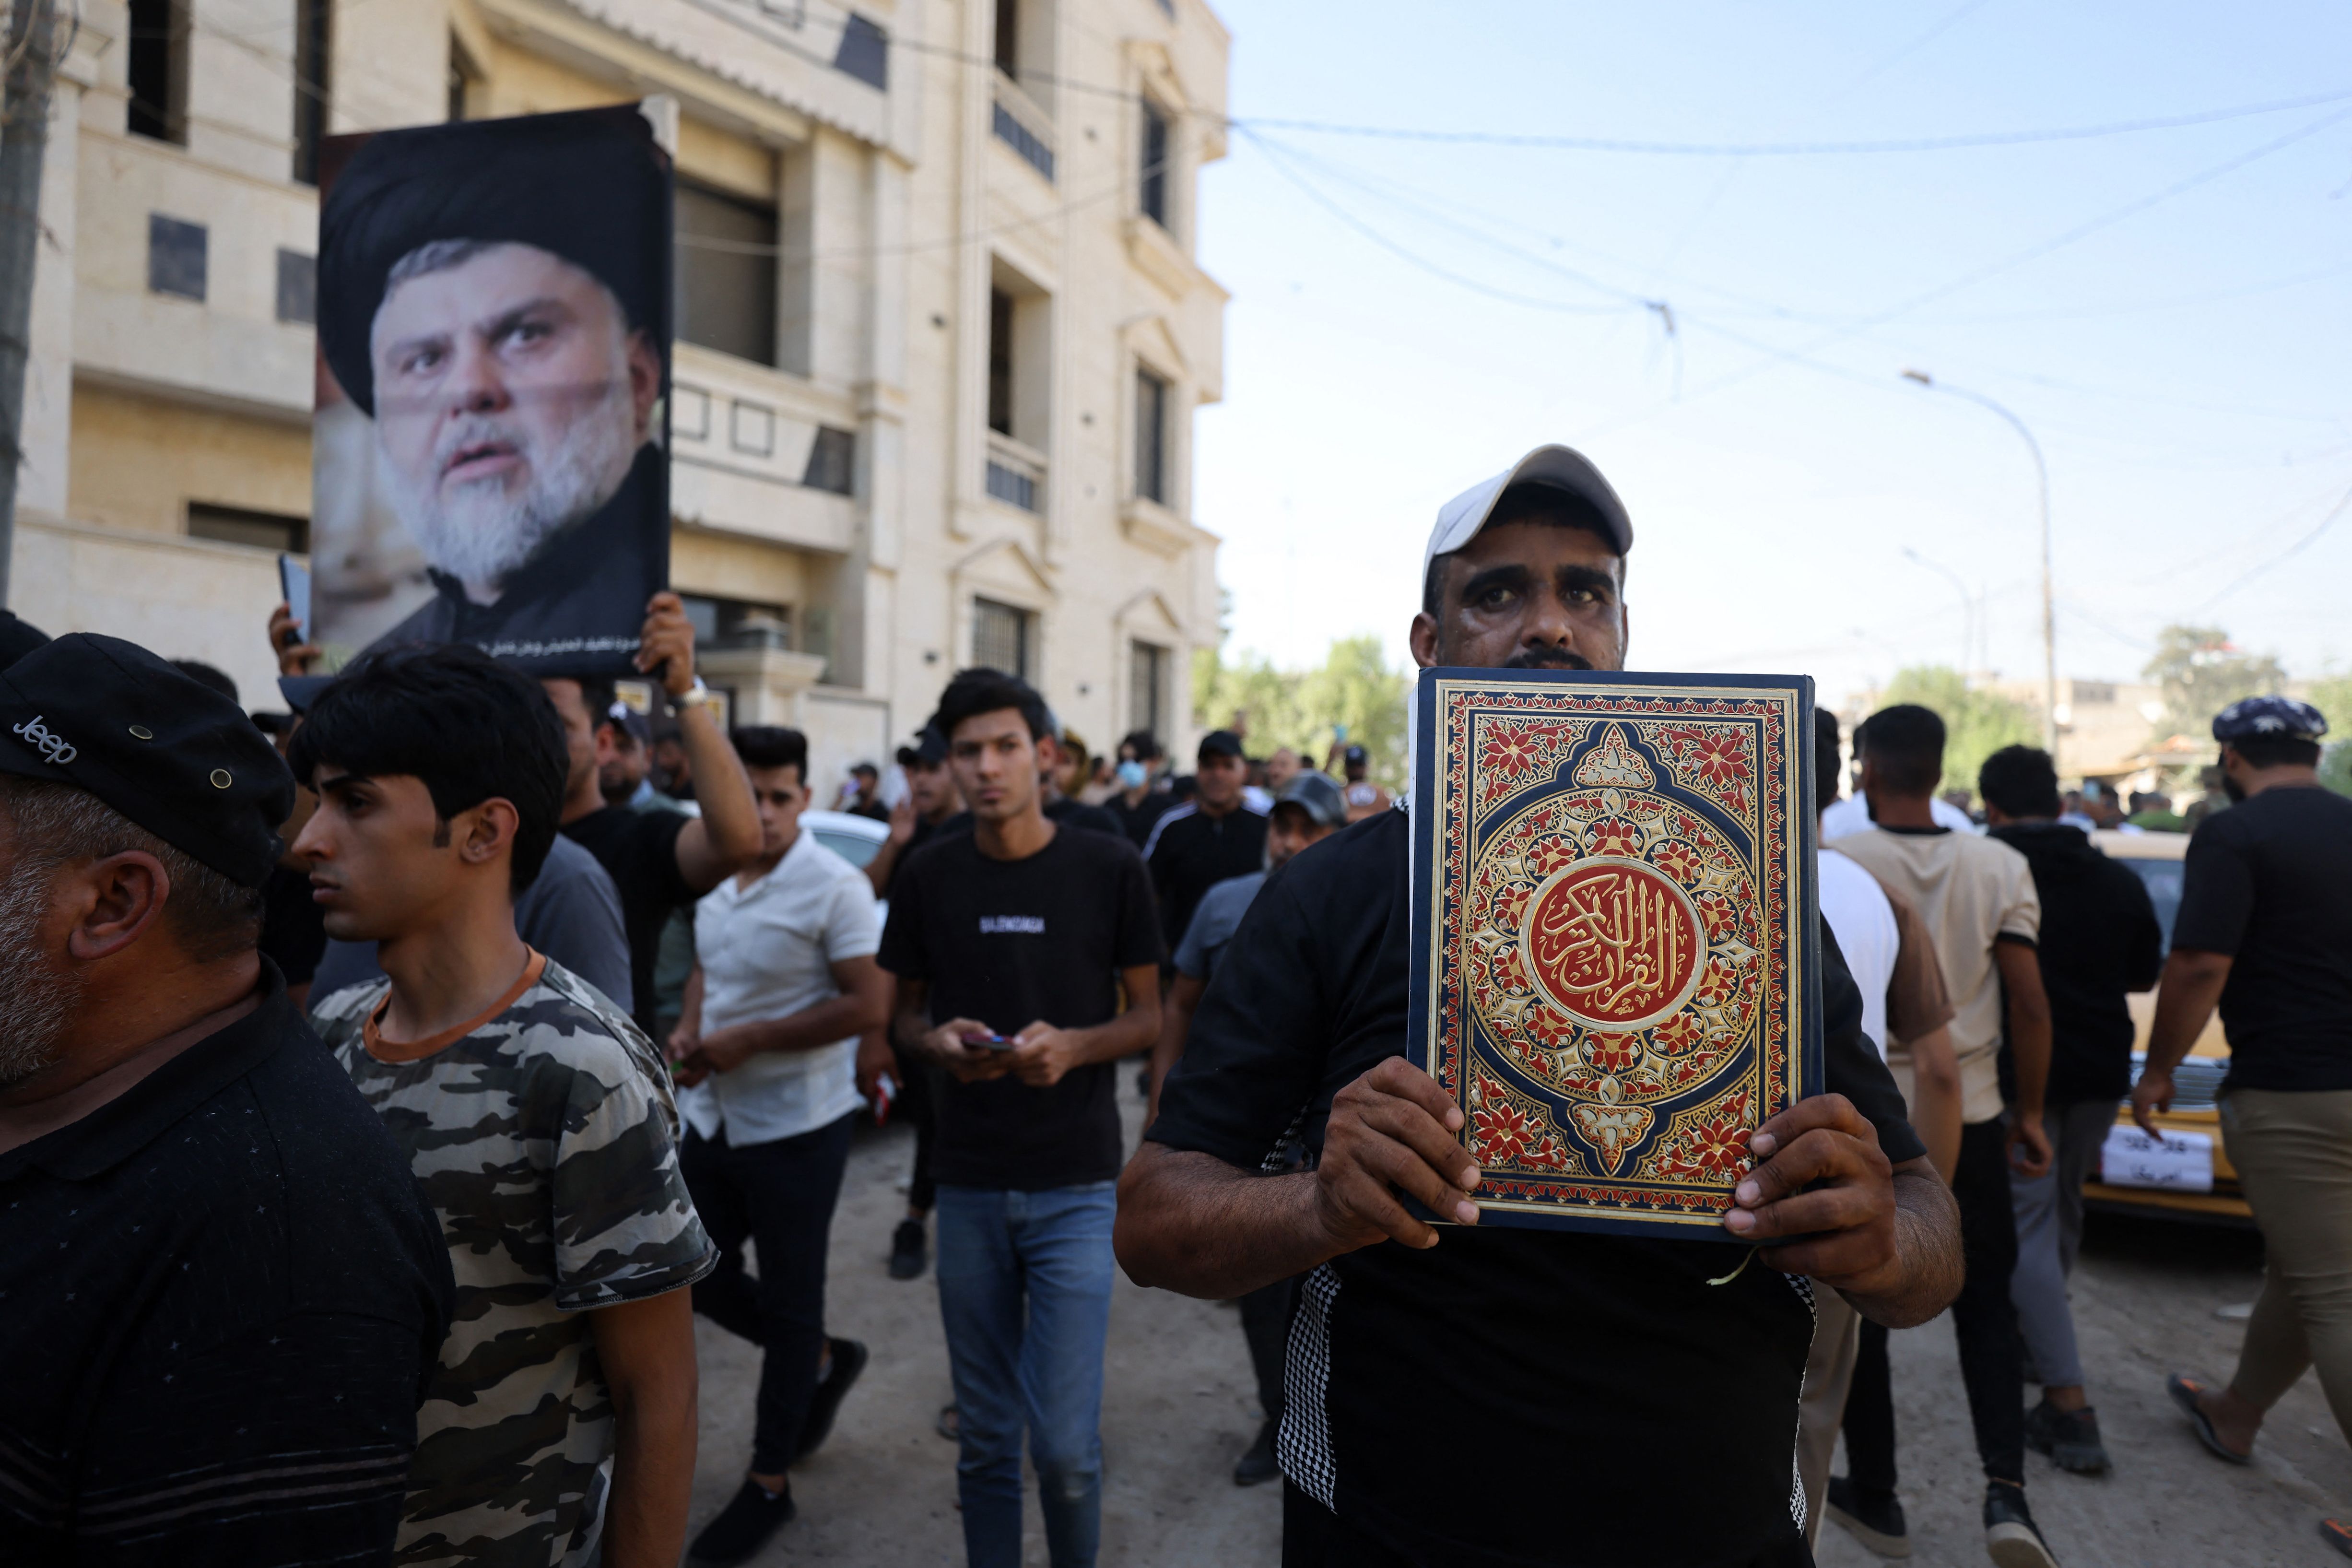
x,y
742,1527
1259,1463
2011,1538
1875,1520
848,1360
908,1251
2071,1438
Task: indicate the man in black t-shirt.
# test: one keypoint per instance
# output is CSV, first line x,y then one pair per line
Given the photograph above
x,y
1508,1396
221,1290
1012,945
2099,941
658,861
1215,836
2265,930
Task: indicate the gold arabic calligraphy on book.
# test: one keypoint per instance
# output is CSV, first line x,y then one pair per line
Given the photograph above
x,y
1611,876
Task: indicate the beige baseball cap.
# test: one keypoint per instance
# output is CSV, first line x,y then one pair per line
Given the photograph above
x,y
1562,468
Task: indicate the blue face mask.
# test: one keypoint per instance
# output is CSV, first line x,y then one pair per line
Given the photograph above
x,y
1130,774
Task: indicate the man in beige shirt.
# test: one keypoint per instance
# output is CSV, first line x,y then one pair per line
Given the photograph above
x,y
1978,897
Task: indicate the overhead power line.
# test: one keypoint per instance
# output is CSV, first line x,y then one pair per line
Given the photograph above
x,y
1797,149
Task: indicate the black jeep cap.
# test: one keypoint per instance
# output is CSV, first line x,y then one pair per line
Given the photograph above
x,y
166,751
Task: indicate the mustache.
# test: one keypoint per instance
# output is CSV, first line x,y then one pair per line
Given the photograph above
x,y
475,430
1547,658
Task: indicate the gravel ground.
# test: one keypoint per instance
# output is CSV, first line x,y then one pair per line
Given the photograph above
x,y
1180,1408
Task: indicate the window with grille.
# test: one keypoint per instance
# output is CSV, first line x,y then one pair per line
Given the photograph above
x,y
1151,436
1000,637
1148,689
1152,183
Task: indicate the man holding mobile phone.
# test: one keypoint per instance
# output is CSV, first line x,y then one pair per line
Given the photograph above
x,y
1028,962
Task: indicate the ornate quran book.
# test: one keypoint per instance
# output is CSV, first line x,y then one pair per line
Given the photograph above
x,y
1615,970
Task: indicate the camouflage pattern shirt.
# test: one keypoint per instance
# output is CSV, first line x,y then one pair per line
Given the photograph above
x,y
545,1136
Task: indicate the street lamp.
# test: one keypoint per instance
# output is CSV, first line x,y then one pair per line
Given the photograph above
x,y
2049,616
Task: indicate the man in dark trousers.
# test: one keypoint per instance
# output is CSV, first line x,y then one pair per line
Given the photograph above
x,y
2265,932
1215,834
1481,1398
2099,941
215,1270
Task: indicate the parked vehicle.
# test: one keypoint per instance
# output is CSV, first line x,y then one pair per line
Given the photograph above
x,y
2190,1176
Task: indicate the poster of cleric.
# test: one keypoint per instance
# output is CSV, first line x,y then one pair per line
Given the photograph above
x,y
490,460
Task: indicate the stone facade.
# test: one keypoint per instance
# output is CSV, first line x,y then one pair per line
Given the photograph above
x,y
946,329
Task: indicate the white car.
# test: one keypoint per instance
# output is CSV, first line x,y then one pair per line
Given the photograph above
x,y
856,839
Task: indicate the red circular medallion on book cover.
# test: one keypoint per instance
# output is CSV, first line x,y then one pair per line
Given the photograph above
x,y
1614,943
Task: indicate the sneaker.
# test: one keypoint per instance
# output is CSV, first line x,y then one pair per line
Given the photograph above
x,y
908,1251
849,1359
1875,1522
1259,1463
742,1527
2012,1538
2071,1437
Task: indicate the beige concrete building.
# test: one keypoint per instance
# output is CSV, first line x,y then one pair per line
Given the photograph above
x,y
940,338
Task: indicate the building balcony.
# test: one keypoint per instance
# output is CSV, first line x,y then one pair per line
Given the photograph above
x,y
1016,474
758,451
1022,125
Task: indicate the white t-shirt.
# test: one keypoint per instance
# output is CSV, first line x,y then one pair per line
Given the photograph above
x,y
1858,914
1972,892
1851,814
767,951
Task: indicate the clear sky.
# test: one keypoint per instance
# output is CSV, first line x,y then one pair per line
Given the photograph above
x,y
2184,365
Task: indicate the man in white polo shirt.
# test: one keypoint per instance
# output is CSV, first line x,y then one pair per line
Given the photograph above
x,y
767,1057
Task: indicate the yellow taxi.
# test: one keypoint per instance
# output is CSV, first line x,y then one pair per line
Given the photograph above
x,y
2188,1175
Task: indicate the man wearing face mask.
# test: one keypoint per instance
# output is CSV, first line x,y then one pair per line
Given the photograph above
x,y
1559,1356
1142,798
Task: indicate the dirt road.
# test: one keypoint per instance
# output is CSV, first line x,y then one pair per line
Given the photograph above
x,y
1180,1408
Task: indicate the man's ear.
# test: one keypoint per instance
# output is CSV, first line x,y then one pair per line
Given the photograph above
x,y
1423,639
482,833
110,903
645,380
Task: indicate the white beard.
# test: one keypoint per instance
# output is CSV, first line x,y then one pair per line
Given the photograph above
x,y
479,536
36,1000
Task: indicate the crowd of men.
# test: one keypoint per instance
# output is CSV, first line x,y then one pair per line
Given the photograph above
x,y
386,1086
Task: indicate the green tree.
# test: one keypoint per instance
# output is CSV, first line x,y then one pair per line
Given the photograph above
x,y
2202,673
1301,708
2333,697
1976,722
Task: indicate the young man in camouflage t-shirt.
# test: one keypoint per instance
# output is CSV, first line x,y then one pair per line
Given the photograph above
x,y
560,1429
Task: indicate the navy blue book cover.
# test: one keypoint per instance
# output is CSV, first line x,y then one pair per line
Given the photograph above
x,y
1616,971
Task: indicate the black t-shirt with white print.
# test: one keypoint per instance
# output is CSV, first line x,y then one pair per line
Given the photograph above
x,y
1011,942
1508,1396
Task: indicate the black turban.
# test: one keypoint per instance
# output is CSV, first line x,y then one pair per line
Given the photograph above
x,y
591,186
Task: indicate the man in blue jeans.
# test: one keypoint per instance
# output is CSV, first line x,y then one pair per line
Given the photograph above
x,y
1027,963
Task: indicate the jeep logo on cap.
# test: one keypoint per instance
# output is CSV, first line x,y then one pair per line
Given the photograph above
x,y
51,745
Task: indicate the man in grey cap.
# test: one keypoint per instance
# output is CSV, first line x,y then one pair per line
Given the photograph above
x,y
1309,808
1519,1367
221,1290
2265,932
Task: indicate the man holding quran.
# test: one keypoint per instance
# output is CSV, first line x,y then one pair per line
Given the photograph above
x,y
1570,1002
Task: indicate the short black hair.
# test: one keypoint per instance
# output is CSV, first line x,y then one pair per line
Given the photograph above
x,y
1547,504
2275,751
597,695
470,727
773,746
1146,744
1906,742
2021,781
1825,757
197,671
980,690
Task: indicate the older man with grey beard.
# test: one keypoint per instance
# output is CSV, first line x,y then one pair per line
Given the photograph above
x,y
220,1288
494,298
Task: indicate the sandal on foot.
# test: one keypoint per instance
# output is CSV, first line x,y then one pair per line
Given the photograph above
x,y
2184,1392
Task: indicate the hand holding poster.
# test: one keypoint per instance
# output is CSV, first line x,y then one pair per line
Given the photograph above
x,y
490,460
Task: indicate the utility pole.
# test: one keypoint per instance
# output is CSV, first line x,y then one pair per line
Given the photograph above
x,y
2048,613
31,61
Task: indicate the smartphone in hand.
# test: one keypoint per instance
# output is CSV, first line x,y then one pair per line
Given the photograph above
x,y
294,584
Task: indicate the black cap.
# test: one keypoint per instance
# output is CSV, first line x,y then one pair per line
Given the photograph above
x,y
1221,743
636,726
931,747
167,752
1317,794
591,186
17,638
2284,718
1357,755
